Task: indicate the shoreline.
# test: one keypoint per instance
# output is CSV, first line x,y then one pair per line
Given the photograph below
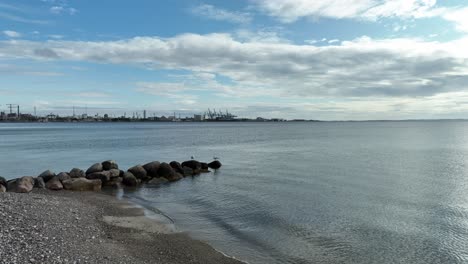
x,y
123,231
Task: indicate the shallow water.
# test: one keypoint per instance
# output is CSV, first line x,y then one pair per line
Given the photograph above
x,y
364,192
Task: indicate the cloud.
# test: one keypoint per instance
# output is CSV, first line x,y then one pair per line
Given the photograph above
x,y
63,9
459,17
212,12
21,19
363,67
11,34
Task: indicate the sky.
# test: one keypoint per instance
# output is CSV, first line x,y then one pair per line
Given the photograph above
x,y
310,59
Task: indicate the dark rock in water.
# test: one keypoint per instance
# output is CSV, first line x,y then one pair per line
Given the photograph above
x,y
129,179
114,173
157,181
204,167
139,172
165,170
82,184
47,175
24,184
2,188
3,181
215,164
104,176
77,173
109,165
39,183
174,177
152,168
63,176
114,183
193,164
94,168
187,171
54,184
177,167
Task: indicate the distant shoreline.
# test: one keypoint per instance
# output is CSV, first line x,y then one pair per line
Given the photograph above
x,y
237,121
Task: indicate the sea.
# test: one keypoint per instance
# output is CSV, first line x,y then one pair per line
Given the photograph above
x,y
290,192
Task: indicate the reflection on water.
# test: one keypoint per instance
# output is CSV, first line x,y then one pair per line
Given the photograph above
x,y
370,192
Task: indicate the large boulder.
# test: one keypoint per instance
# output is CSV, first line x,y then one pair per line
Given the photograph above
x,y
114,183
94,168
139,172
25,184
104,176
174,177
82,184
114,173
47,175
158,181
193,164
204,167
177,167
3,181
152,168
77,173
2,188
165,170
54,184
63,176
11,185
215,164
39,183
129,179
187,171
109,165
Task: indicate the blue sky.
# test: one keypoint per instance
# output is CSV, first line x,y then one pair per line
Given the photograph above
x,y
330,60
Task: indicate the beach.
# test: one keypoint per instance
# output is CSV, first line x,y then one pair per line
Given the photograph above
x,y
87,227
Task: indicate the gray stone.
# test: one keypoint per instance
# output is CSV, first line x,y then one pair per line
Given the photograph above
x,y
94,168
165,170
109,165
47,175
82,184
25,184
177,167
129,179
215,164
3,181
139,172
187,171
77,173
54,184
2,188
114,173
39,183
152,168
11,185
193,164
63,176
104,176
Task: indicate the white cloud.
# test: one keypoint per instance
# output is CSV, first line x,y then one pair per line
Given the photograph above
x,y
11,34
459,17
212,12
360,68
60,9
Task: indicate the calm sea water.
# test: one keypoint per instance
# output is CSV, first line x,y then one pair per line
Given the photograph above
x,y
365,192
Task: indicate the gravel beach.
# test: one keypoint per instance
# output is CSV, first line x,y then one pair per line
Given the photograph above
x,y
85,227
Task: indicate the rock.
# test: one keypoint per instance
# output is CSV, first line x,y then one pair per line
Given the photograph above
x,y
54,184
11,185
47,175
165,170
204,167
25,184
158,181
82,184
114,183
109,165
152,168
39,183
63,176
2,188
114,173
129,179
77,173
193,164
3,181
177,167
94,168
104,176
187,171
174,177
215,164
139,172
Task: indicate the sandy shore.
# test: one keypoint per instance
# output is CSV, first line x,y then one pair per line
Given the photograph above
x,y
74,227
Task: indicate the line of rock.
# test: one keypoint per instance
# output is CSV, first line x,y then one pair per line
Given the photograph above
x,y
108,174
